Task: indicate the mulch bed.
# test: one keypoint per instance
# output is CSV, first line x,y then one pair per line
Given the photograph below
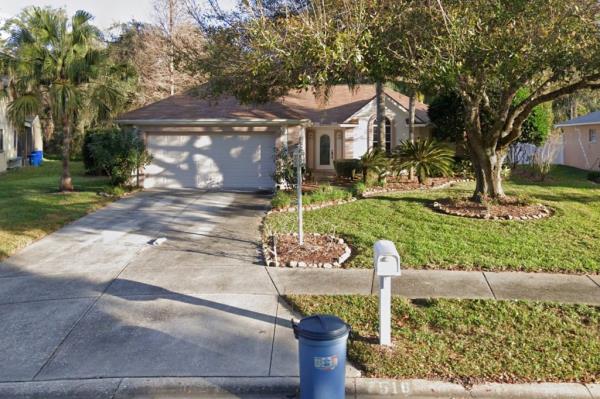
x,y
509,208
318,251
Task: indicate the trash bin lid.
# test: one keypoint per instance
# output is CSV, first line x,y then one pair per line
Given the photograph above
x,y
321,327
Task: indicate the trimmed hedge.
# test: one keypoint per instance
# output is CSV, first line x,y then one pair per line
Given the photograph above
x,y
347,168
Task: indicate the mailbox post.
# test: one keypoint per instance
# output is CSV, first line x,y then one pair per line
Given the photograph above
x,y
387,265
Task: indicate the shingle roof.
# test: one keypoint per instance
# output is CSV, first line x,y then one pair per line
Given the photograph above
x,y
589,119
341,104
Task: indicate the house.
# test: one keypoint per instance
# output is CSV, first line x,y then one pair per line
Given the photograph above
x,y
225,144
17,144
581,141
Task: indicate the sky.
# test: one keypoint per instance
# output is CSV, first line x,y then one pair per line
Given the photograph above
x,y
105,12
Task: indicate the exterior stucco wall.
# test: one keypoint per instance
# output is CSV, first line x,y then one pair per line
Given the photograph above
x,y
36,127
579,152
362,134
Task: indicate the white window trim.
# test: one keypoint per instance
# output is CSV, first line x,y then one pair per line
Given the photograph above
x,y
592,136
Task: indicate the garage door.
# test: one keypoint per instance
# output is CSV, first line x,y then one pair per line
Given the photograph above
x,y
213,161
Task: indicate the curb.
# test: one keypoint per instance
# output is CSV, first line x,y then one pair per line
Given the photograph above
x,y
284,387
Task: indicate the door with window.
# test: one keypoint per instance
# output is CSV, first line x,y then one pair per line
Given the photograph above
x,y
325,148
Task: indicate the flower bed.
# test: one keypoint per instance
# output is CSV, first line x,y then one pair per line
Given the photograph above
x,y
318,251
509,208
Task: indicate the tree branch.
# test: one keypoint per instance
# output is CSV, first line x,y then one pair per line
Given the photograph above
x,y
526,108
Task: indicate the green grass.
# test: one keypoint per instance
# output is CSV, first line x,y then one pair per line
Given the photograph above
x,y
322,194
31,206
470,341
569,241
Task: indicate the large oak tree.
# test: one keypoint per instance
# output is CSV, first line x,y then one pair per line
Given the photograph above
x,y
490,50
486,50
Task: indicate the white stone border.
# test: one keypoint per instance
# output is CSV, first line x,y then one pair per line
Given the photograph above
x,y
381,190
270,254
544,213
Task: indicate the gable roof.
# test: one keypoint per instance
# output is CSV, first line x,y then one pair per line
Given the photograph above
x,y
341,104
590,119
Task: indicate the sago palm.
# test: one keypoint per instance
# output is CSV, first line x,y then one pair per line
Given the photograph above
x,y
59,70
426,157
374,160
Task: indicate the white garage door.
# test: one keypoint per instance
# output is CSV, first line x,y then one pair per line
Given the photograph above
x,y
213,161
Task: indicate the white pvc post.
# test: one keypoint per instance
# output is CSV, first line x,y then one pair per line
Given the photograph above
x,y
385,312
299,191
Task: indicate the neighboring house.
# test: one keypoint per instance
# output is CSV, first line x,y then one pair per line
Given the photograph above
x,y
581,140
17,144
203,144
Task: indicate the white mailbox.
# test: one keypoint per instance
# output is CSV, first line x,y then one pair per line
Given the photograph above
x,y
387,265
387,260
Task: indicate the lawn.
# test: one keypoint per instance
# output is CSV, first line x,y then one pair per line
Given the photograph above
x,y
569,241
469,341
31,207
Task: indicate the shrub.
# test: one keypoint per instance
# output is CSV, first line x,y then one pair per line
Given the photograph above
x,y
594,176
96,135
543,156
285,168
359,189
347,168
117,153
281,199
374,161
427,157
325,193
463,168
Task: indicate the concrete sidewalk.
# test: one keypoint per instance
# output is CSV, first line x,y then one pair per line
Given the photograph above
x,y
565,288
284,388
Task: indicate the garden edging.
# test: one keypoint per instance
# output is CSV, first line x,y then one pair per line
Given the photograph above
x,y
270,255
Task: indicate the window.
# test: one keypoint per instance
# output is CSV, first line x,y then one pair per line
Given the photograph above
x,y
1,140
388,136
593,136
15,140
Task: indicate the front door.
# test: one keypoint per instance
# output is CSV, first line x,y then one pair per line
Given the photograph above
x,y
324,151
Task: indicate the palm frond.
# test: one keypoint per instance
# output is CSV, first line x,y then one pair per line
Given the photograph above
x,y
428,158
23,107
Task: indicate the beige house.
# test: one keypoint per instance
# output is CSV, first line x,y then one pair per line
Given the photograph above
x,y
203,144
581,141
16,145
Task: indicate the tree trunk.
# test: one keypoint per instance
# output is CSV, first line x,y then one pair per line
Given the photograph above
x,y
171,48
486,155
487,165
66,183
411,128
379,128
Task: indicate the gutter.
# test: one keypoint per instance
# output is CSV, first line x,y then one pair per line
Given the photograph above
x,y
214,122
577,124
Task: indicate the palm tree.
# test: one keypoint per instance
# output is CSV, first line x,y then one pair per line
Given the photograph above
x,y
426,157
58,69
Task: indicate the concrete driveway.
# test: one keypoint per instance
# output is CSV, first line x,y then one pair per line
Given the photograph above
x,y
95,300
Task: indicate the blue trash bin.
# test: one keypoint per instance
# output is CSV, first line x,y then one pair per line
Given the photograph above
x,y
322,353
35,158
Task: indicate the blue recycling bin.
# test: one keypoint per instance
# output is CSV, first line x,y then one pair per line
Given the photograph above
x,y
35,158
322,343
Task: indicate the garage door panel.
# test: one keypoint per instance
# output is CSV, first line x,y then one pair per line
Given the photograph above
x,y
211,161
